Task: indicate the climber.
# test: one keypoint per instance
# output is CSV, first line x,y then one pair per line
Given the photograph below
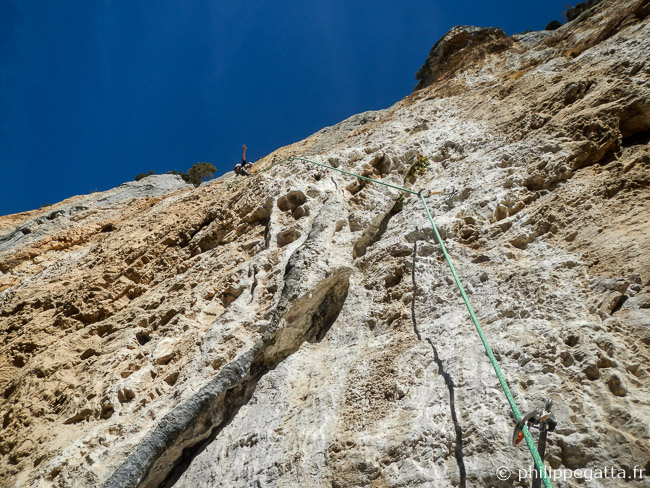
x,y
243,167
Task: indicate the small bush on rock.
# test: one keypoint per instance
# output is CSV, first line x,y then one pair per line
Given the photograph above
x,y
195,175
182,174
553,24
420,166
200,172
139,176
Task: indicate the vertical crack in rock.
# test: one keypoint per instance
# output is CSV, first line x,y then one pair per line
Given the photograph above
x,y
374,233
321,301
267,235
254,284
449,382
207,220
305,312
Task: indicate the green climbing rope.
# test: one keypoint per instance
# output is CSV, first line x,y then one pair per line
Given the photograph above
x,y
539,464
295,158
497,369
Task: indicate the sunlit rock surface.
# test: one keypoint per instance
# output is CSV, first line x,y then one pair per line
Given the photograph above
x,y
301,328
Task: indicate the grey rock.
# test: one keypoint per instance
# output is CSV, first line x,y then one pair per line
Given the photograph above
x,y
446,51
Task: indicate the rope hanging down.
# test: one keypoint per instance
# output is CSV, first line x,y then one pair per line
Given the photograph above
x,y
539,464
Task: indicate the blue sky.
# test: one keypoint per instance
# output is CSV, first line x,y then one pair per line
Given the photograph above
x,y
93,92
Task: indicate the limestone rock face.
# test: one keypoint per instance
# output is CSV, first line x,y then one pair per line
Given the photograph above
x,y
451,48
575,12
301,327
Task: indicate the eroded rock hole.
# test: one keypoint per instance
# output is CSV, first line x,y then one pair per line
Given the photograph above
x,y
87,354
572,340
640,138
382,163
9,390
108,228
261,215
619,305
288,236
143,337
172,378
356,186
394,277
291,200
231,294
